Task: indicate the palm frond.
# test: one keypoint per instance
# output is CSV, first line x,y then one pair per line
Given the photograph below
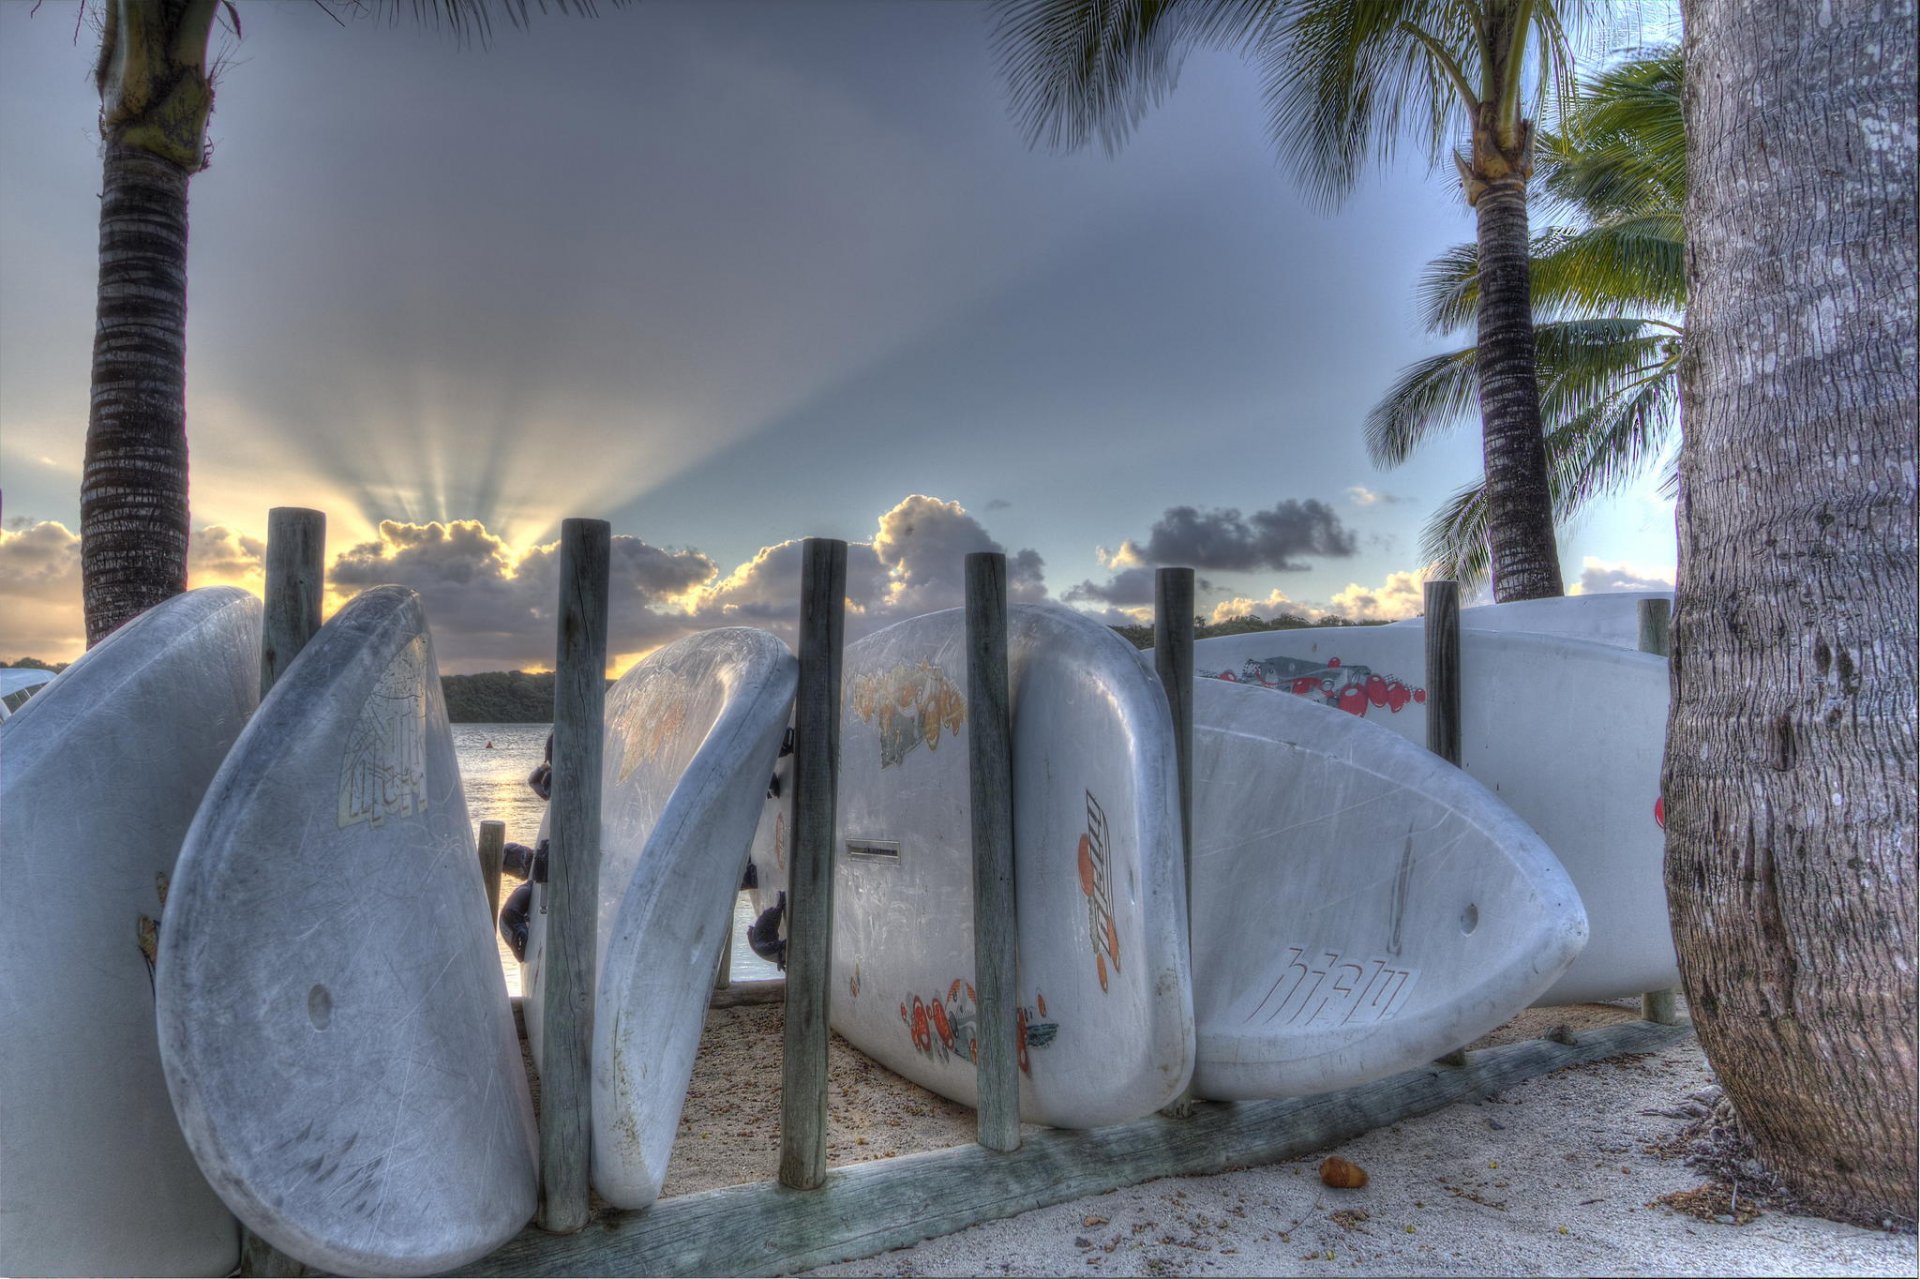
x,y
1079,69
468,20
1454,541
1430,396
1627,265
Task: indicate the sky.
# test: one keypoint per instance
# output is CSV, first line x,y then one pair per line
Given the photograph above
x,y
728,275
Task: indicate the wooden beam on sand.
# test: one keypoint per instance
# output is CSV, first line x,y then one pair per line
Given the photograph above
x,y
868,1208
990,790
1442,629
1655,619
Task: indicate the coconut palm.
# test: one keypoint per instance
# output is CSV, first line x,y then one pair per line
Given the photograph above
x,y
1606,297
1348,82
1790,777
155,97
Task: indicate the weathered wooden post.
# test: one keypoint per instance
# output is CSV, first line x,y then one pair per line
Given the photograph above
x,y
296,573
1655,618
493,855
573,875
816,781
995,929
1442,632
1173,662
1443,670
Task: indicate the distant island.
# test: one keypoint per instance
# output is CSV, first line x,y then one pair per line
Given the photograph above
x,y
526,697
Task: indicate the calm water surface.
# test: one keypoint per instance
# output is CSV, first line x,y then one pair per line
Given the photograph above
x,y
495,760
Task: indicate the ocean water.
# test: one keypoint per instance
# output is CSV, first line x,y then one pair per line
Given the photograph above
x,y
495,760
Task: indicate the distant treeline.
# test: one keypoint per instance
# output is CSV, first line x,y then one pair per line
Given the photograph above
x,y
1142,636
499,697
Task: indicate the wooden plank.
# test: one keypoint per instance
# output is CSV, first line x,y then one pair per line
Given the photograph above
x,y
816,782
295,576
296,573
573,874
1443,669
1655,636
772,991
1173,661
868,1208
493,855
1656,620
990,794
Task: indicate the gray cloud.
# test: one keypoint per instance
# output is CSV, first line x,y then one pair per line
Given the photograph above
x,y
40,591
1128,588
1597,578
1226,541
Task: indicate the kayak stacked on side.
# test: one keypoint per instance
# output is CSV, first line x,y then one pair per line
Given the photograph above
x,y
333,1019
1360,906
692,735
1567,733
100,775
1105,1015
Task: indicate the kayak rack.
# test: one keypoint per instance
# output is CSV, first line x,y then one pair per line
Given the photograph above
x,y
813,1215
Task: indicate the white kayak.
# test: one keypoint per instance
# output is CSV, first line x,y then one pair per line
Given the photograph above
x,y
333,1019
692,735
1567,733
1606,617
1360,906
100,775
1105,1016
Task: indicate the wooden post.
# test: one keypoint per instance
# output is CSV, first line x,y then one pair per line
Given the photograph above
x,y
995,929
816,781
1443,670
1173,661
493,855
296,571
1655,617
723,975
1442,627
573,875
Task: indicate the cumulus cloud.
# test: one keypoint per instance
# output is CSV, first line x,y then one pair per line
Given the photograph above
x,y
40,614
1226,541
916,563
1598,577
1362,496
1401,595
1276,603
490,606
218,555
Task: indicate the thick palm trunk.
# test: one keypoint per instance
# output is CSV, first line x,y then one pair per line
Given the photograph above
x,y
1525,555
133,494
1790,773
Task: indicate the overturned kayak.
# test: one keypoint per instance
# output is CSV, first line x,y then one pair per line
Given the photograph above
x,y
100,776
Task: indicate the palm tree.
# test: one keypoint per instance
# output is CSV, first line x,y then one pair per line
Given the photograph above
x,y
1605,297
1790,764
155,98
1348,81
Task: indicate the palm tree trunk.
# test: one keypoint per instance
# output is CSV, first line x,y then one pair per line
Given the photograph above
x,y
1790,769
133,493
1524,552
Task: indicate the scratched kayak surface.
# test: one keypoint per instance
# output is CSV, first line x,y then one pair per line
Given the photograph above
x,y
1105,1016
1360,905
692,735
333,1019
100,775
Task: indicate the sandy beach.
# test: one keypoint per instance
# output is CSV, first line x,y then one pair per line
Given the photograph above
x,y
1574,1173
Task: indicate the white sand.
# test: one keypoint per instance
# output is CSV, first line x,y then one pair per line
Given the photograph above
x,y
1552,1177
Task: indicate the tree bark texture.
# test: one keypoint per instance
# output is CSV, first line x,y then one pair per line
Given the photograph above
x,y
1790,767
133,492
1524,551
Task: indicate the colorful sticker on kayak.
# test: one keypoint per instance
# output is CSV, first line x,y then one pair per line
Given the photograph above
x,y
383,772
658,718
909,705
1325,988
1096,881
1354,689
942,1030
